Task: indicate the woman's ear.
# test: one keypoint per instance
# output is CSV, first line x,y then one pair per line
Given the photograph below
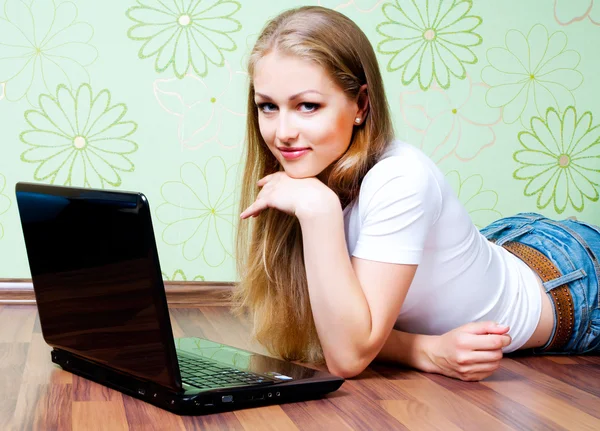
x,y
363,104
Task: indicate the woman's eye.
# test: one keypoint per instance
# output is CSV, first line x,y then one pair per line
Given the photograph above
x,y
266,107
309,107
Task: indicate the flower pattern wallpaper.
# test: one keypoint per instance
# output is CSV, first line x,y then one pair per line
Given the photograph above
x,y
150,96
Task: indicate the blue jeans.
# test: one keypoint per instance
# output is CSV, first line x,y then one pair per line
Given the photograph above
x,y
574,248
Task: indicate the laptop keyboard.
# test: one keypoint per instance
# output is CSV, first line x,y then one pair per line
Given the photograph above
x,y
206,374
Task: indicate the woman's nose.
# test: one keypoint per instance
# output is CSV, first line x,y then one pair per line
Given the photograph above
x,y
286,129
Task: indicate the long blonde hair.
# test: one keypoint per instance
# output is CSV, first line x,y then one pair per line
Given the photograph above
x,y
273,287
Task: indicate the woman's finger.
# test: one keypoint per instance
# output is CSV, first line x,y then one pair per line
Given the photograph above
x,y
480,357
265,180
478,371
486,341
256,208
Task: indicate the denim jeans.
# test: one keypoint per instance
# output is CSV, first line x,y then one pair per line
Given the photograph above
x,y
574,248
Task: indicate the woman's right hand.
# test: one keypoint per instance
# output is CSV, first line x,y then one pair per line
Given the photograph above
x,y
470,352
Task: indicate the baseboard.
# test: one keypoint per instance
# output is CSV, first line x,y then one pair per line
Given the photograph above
x,y
179,293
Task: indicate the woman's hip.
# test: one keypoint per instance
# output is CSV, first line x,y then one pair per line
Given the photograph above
x,y
565,253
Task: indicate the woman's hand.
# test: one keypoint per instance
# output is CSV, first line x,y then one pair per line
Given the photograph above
x,y
298,197
471,352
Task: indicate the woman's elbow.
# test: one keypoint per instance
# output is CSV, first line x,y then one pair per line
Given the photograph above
x,y
347,369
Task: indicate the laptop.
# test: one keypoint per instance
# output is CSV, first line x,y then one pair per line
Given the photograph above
x,y
102,308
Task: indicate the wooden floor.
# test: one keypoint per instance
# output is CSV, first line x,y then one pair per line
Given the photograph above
x,y
526,393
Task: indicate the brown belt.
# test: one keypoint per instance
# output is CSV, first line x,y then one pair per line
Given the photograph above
x,y
561,296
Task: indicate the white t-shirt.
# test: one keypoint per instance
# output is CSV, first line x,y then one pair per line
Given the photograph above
x,y
407,213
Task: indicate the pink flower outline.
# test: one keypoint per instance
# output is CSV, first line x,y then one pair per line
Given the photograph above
x,y
578,18
217,113
440,153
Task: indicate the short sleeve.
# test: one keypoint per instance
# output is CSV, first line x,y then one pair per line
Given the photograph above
x,y
398,204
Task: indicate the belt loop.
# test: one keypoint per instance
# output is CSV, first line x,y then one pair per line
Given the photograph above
x,y
513,235
572,276
532,216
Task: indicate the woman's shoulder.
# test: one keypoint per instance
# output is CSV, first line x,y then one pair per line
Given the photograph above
x,y
402,160
404,182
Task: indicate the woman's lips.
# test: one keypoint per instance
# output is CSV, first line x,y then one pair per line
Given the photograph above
x,y
293,153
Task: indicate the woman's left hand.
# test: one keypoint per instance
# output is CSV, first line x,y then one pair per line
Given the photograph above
x,y
292,196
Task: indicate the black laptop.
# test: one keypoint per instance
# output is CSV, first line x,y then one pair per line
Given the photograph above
x,y
103,309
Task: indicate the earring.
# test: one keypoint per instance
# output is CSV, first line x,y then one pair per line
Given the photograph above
x,y
357,120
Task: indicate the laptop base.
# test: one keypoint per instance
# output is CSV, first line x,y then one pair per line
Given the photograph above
x,y
207,402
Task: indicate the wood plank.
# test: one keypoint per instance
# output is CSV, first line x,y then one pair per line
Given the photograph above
x,y
585,377
360,411
537,393
542,404
505,408
375,387
221,421
418,416
43,407
86,390
456,409
395,372
39,368
143,416
16,323
99,415
265,418
12,364
563,360
315,415
553,386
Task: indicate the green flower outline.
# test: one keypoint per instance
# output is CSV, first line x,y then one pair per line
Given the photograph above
x,y
79,139
200,211
559,154
180,32
179,275
530,73
42,54
5,202
429,46
480,203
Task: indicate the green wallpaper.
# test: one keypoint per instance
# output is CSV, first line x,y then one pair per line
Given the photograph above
x,y
149,95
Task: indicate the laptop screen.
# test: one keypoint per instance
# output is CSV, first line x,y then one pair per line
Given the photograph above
x,y
97,278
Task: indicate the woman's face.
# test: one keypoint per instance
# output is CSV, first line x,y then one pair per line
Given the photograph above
x,y
305,119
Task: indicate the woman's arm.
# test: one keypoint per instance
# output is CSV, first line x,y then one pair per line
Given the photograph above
x,y
412,350
471,352
355,302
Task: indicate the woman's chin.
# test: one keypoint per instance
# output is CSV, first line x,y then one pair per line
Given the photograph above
x,y
298,173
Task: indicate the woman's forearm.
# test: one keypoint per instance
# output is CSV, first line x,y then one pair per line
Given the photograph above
x,y
408,349
340,308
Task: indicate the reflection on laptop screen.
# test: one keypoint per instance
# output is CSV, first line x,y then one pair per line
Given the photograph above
x,y
97,279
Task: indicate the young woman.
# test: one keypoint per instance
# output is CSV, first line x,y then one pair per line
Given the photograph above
x,y
353,247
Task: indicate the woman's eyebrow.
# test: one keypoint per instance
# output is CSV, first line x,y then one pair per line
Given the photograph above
x,y
295,96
